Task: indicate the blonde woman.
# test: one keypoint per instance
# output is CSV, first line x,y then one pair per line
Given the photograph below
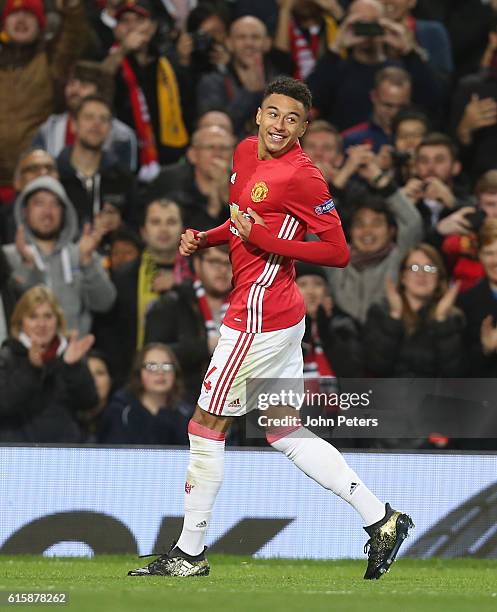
x,y
44,380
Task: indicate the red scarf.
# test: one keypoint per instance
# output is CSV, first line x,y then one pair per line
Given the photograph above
x,y
69,138
211,328
149,156
315,359
304,52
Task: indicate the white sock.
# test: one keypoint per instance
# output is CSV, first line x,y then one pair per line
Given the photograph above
x,y
325,464
203,480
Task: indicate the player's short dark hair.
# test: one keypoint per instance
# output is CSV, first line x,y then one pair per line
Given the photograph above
x,y
286,86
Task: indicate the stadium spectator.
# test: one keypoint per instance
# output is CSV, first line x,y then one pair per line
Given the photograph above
x,y
417,331
44,380
92,177
253,64
199,186
91,420
140,283
305,29
149,96
391,93
124,247
467,23
217,118
460,232
34,66
31,164
44,252
87,79
384,226
433,187
188,317
331,343
150,409
344,75
430,35
409,128
103,23
9,294
474,115
324,145
479,305
201,48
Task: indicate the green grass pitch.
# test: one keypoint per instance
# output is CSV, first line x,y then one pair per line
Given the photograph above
x,y
247,584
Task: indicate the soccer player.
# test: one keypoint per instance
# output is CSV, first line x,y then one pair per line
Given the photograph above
x,y
276,196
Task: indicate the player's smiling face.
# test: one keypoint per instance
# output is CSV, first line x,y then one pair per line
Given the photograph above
x,y
281,120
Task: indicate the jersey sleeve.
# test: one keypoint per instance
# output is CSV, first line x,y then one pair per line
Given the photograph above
x,y
309,199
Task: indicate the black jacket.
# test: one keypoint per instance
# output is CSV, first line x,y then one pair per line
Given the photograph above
x,y
434,350
175,320
112,183
40,404
116,331
477,303
178,183
339,335
127,421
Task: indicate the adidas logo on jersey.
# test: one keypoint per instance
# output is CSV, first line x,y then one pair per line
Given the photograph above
x,y
235,404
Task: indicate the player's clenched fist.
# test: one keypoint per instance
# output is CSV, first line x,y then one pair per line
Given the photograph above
x,y
190,243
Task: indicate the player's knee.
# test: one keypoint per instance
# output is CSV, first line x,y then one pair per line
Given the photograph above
x,y
211,421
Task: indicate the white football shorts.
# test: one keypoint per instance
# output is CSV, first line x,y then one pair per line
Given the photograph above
x,y
240,358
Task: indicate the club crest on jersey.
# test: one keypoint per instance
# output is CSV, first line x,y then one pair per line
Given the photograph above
x,y
324,208
259,192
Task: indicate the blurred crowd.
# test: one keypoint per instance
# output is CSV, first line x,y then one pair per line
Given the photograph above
x,y
118,123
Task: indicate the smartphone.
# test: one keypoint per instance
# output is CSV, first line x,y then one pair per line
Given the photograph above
x,y
476,218
368,28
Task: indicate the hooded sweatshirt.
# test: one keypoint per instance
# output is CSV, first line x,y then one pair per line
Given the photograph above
x,y
79,289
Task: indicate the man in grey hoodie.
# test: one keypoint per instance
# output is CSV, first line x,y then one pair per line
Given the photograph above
x,y
44,252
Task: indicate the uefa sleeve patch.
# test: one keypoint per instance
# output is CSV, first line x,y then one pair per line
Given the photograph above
x,y
324,208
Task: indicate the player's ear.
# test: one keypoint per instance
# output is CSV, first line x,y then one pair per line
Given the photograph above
x,y
304,128
258,116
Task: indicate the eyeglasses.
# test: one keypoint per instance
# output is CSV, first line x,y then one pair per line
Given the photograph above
x,y
152,366
426,268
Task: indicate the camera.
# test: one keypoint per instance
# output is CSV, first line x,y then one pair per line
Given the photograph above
x,y
368,28
202,42
400,158
476,218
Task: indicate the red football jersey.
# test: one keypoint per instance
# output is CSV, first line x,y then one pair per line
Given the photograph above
x,y
291,195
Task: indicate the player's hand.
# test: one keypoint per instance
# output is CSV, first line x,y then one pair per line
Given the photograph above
x,y
244,224
189,244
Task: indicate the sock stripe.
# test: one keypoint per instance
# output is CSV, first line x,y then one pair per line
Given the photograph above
x,y
202,431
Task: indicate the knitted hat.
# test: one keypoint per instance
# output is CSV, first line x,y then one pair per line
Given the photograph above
x,y
307,269
31,6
